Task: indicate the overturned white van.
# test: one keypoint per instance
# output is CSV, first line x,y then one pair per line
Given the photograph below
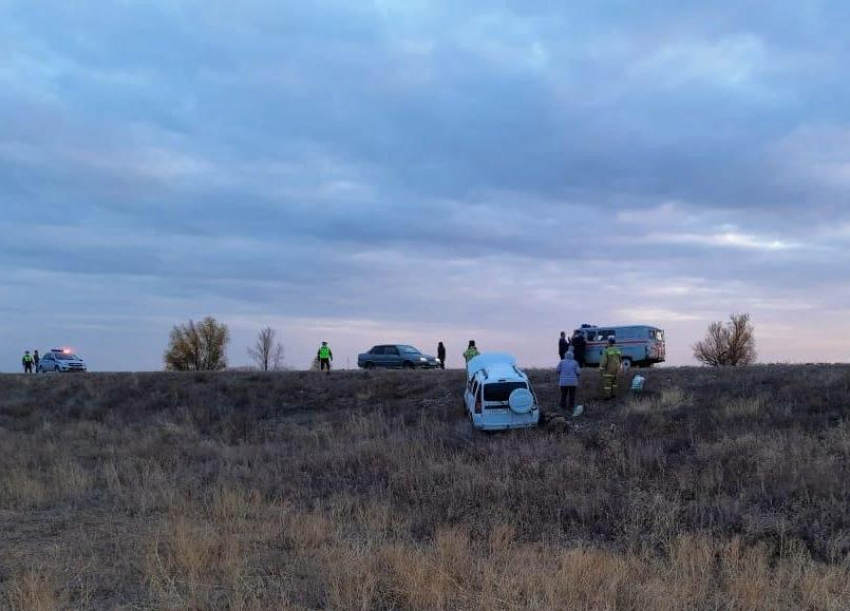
x,y
498,394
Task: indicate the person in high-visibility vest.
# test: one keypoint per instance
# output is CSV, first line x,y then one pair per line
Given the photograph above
x,y
325,357
471,352
612,360
27,362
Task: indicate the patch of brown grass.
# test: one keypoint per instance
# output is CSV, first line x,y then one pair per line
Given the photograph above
x,y
715,490
32,590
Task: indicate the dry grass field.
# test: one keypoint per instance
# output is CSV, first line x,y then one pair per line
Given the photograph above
x,y
718,490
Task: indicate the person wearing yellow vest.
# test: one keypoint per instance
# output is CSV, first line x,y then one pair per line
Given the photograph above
x,y
325,357
471,352
27,362
612,359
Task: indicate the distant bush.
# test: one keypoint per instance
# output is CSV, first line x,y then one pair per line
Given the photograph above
x,y
267,351
732,343
198,346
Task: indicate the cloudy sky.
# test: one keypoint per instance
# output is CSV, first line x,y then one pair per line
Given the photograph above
x,y
401,170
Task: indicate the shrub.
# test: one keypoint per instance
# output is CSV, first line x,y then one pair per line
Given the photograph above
x,y
732,343
198,346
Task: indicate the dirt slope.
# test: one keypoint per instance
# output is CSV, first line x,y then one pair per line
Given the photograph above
x,y
721,489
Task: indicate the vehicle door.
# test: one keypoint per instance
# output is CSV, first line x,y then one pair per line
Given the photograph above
x,y
495,399
392,356
655,352
374,356
467,396
597,339
632,343
473,398
384,357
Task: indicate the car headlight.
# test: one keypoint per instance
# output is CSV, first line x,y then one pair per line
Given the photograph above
x,y
423,359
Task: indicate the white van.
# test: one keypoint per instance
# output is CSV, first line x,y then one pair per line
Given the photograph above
x,y
498,394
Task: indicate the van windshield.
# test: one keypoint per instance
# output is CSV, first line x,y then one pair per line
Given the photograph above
x,y
501,391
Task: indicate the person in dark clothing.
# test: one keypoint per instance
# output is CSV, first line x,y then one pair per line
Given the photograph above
x,y
563,345
441,354
35,359
579,348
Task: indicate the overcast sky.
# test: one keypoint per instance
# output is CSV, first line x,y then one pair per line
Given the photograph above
x,y
408,171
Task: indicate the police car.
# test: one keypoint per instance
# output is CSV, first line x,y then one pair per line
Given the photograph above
x,y
61,360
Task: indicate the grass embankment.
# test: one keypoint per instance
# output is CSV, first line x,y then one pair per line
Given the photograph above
x,y
720,490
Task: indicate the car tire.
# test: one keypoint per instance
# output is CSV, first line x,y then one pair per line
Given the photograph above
x,y
407,365
627,364
369,365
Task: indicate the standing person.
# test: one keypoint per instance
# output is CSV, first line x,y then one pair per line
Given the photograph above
x,y
441,354
612,359
27,362
568,373
325,357
36,359
579,347
563,345
471,352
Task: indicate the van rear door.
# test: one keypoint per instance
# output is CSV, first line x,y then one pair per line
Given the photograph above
x,y
496,394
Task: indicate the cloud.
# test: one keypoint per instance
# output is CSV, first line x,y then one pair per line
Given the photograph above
x,y
404,170
729,63
729,238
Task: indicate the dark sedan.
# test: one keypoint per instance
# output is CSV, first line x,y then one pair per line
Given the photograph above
x,y
397,356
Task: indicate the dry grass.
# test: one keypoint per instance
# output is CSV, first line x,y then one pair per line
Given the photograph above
x,y
716,490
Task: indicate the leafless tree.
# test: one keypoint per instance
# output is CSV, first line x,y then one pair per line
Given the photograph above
x,y
267,352
198,346
728,344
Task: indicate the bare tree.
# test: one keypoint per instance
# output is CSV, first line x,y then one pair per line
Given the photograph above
x,y
728,344
198,346
267,352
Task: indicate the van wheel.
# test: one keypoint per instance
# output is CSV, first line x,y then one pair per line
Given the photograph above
x,y
369,365
627,364
407,365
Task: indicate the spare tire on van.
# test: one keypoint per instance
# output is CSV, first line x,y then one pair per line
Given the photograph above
x,y
521,401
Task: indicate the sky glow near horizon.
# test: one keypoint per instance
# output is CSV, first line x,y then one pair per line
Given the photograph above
x,y
388,171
